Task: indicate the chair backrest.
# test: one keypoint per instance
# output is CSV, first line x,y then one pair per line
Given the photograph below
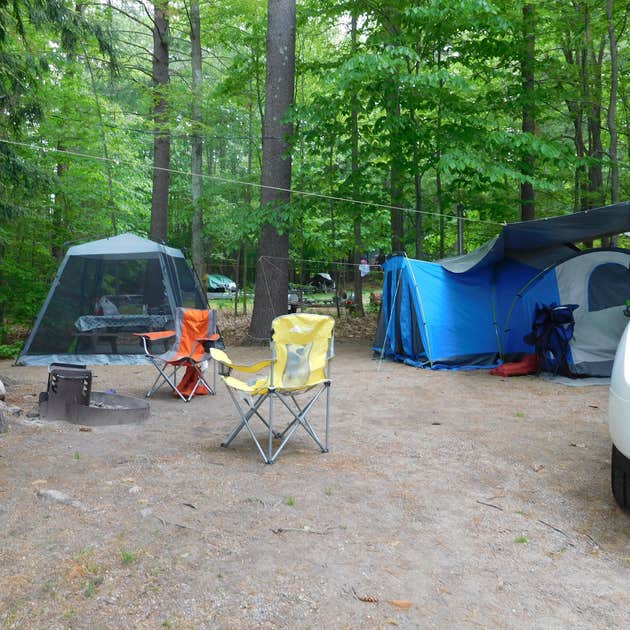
x,y
192,324
302,345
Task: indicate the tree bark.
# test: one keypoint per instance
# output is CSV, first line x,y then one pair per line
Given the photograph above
x,y
354,168
577,59
597,195
57,207
438,165
417,181
161,132
528,209
272,282
396,196
196,161
612,105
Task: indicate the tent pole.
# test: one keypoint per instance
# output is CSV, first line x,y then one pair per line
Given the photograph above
x,y
424,319
389,321
522,290
493,304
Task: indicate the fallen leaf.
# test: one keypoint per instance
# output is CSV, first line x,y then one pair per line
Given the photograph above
x,y
76,570
401,603
84,429
365,598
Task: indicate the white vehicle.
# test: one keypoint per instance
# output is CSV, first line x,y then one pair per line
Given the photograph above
x,y
619,422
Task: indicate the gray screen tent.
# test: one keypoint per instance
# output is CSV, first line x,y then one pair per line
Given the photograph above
x,y
103,292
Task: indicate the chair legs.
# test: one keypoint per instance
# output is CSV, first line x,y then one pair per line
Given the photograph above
x,y
299,419
170,378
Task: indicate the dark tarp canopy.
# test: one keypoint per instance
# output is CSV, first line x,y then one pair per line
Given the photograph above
x,y
549,233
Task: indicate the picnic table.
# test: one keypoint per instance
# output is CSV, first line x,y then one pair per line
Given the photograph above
x,y
94,327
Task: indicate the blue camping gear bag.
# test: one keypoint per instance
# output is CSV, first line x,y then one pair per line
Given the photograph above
x,y
551,332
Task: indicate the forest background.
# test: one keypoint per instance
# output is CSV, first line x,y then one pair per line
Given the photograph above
x,y
419,126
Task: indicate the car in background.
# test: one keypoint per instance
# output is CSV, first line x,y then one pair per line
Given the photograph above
x,y
219,286
217,282
322,282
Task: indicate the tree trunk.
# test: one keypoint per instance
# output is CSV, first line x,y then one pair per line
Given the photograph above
x,y
417,180
354,168
612,106
391,22
272,283
528,210
57,207
577,59
397,223
438,199
196,161
395,171
438,155
594,118
162,137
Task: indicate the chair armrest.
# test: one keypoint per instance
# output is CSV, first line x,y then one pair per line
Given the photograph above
x,y
154,336
146,338
222,357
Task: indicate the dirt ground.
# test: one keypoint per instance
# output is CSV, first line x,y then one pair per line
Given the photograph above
x,y
448,499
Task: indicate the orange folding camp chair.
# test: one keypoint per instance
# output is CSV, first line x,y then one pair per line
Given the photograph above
x,y
195,333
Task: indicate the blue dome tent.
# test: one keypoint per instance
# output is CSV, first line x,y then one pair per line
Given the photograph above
x,y
474,310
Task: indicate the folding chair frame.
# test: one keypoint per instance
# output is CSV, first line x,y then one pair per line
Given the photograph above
x,y
169,377
299,419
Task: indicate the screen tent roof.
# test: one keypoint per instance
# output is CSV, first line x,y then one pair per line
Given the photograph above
x,y
542,234
123,245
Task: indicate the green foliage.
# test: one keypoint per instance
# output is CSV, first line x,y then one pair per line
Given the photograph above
x,y
10,351
434,88
128,557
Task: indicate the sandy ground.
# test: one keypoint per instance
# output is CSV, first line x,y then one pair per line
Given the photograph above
x,y
448,499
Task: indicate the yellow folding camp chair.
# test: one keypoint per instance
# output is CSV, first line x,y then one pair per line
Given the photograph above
x,y
302,346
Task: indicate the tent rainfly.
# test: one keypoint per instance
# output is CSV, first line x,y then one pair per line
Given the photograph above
x,y
103,292
475,310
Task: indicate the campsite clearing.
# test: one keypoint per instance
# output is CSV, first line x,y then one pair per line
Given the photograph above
x,y
449,499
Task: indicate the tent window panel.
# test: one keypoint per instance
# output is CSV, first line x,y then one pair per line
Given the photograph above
x,y
382,331
416,338
69,301
123,285
398,348
191,295
609,286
